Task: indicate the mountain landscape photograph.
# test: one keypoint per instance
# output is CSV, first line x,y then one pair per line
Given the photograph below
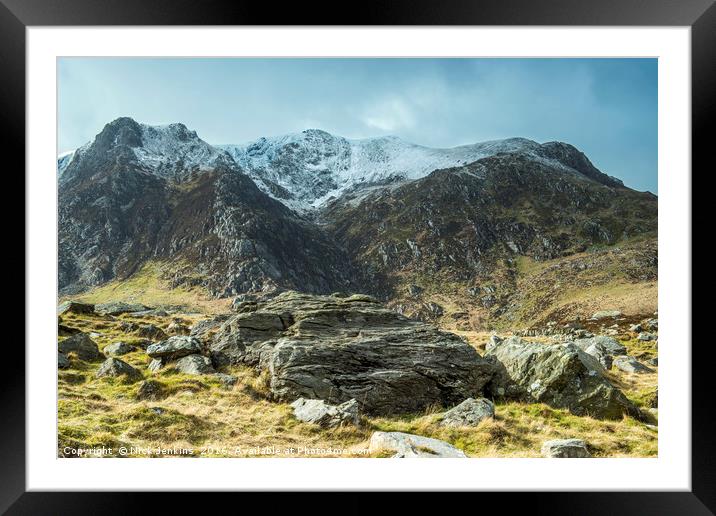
x,y
368,258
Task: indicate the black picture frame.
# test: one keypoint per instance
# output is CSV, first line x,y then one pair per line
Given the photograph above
x,y
700,15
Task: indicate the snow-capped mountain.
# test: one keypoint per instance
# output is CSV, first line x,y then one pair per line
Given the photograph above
x,y
168,151
305,170
219,217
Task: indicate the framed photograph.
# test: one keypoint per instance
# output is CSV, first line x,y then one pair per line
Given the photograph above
x,y
268,251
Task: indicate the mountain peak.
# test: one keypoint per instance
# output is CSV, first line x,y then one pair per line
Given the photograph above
x,y
170,150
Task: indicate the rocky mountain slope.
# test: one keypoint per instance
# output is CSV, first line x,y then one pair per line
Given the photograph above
x,y
138,193
471,225
320,213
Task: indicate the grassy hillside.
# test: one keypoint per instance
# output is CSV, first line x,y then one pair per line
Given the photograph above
x,y
526,293
151,286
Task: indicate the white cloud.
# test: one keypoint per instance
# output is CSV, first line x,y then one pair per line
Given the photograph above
x,y
390,115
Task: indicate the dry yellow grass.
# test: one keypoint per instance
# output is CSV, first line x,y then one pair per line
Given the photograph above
x,y
200,415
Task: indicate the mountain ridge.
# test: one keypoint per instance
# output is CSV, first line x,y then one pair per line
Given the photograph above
x,y
138,194
307,169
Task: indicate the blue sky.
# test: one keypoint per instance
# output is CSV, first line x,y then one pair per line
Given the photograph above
x,y
605,107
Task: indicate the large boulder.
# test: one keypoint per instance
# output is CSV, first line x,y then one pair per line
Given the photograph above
x,y
174,347
75,307
116,367
565,449
240,338
81,345
340,348
560,375
402,445
321,413
470,412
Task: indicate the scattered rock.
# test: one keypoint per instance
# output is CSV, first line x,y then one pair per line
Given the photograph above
x,y
337,349
636,328
604,314
176,328
150,331
143,344
155,365
565,449
573,326
560,375
654,361
118,348
150,390
75,307
118,308
80,344
434,309
175,347
469,413
631,365
128,326
116,367
325,415
645,336
65,331
610,345
194,364
62,361
598,351
204,330
583,334
493,341
414,290
227,380
409,445
242,300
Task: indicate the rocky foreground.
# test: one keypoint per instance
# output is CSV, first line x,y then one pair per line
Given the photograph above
x,y
348,369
